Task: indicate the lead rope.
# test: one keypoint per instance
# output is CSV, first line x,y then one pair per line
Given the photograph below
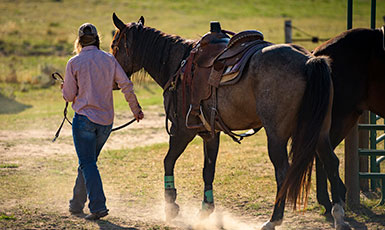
x,y
60,78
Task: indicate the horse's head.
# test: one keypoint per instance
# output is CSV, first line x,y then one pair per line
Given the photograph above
x,y
123,44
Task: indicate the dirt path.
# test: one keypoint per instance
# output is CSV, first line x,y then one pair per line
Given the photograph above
x,y
29,141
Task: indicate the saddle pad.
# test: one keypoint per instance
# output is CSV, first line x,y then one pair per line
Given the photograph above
x,y
232,73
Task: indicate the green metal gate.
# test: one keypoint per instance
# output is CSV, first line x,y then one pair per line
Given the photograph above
x,y
376,155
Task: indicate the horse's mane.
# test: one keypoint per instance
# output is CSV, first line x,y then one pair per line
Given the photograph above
x,y
156,49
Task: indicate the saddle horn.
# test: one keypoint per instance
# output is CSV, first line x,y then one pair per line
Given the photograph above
x,y
215,27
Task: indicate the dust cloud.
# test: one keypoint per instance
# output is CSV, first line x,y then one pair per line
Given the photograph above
x,y
189,218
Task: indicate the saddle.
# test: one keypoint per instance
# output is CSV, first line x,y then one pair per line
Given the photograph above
x,y
216,60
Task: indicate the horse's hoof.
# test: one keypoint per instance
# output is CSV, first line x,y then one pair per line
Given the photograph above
x,y
271,225
207,209
343,226
268,226
338,215
172,211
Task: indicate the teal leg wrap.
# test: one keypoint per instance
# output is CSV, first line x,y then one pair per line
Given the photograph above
x,y
208,201
169,182
209,197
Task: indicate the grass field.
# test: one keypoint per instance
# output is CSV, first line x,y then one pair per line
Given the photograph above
x,y
36,176
38,35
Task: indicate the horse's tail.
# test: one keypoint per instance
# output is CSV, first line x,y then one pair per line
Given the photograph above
x,y
311,116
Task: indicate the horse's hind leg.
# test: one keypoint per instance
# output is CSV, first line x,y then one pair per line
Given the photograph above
x,y
278,156
331,165
338,130
211,153
177,145
322,192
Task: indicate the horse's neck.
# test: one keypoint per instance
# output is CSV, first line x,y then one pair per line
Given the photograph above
x,y
165,61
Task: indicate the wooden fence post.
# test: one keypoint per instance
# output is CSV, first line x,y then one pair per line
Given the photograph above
x,y
351,168
288,34
363,143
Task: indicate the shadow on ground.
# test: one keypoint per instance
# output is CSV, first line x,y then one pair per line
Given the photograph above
x,y
10,106
365,213
107,225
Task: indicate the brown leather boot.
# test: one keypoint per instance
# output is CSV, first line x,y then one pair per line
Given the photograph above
x,y
97,215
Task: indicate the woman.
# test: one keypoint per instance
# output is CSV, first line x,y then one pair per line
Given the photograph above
x,y
89,79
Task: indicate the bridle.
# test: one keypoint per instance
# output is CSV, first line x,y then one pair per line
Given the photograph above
x,y
115,47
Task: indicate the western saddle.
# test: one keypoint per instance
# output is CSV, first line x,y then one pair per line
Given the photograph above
x,y
216,60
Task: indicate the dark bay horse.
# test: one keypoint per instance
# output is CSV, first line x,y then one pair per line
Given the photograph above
x,y
358,71
282,89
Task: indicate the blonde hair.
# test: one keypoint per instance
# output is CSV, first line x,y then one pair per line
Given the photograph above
x,y
77,47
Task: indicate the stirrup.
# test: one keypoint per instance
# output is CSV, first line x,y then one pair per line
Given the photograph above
x,y
197,126
201,116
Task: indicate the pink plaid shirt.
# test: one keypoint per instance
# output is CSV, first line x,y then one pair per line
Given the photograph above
x,y
89,79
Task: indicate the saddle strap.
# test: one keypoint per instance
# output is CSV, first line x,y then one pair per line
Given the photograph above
x,y
174,100
236,137
216,119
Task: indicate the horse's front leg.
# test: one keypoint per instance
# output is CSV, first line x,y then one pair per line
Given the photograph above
x,y
177,144
278,156
211,153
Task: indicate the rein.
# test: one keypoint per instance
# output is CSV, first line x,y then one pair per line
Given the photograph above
x,y
60,78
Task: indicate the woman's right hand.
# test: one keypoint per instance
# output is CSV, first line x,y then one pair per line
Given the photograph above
x,y
139,116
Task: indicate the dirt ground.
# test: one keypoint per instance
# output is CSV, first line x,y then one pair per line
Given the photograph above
x,y
18,213
151,132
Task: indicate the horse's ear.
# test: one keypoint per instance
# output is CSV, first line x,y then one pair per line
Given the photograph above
x,y
141,20
117,22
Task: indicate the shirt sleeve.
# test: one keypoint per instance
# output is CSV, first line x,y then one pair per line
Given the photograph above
x,y
70,88
127,88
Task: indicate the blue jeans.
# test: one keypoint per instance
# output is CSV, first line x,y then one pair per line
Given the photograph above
x,y
89,139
